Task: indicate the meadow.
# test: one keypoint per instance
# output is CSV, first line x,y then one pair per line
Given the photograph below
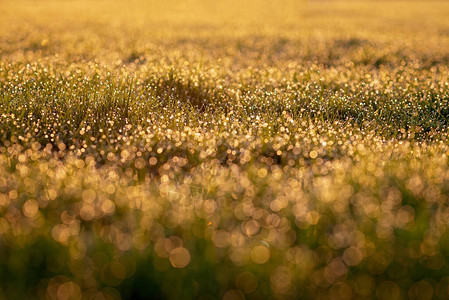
x,y
224,149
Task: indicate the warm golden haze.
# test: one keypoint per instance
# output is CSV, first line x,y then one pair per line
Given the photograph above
x,y
224,150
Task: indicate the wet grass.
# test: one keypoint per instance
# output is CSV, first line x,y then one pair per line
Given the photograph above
x,y
155,152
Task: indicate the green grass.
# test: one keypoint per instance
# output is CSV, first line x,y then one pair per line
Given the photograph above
x,y
202,150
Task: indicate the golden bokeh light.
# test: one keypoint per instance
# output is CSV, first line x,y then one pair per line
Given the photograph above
x,y
224,150
260,254
179,257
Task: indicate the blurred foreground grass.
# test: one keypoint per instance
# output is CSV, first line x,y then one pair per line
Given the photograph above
x,y
224,150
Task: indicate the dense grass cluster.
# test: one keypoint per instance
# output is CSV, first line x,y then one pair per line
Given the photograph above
x,y
165,150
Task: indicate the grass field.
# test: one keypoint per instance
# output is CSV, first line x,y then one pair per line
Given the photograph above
x,y
224,149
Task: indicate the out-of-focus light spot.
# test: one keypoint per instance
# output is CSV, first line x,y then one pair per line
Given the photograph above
x,y
108,207
341,291
252,227
262,172
139,163
117,270
312,217
13,194
352,256
442,288
405,215
89,195
69,291
234,295
61,233
30,208
179,257
87,212
313,154
152,161
260,254
421,290
281,281
124,241
220,239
